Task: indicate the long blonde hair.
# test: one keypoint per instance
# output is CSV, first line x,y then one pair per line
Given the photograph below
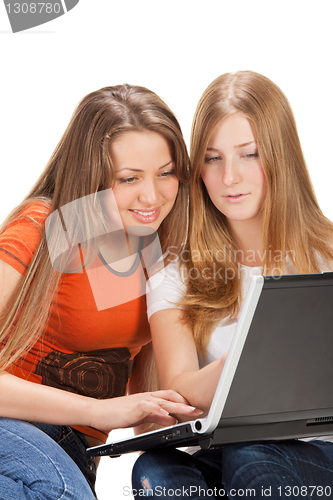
x,y
81,165
292,220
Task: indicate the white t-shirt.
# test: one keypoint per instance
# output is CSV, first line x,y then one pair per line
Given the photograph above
x,y
167,287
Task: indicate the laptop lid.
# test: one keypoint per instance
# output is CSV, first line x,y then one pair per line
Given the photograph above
x,y
285,372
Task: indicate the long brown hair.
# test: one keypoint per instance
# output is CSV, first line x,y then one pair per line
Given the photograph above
x,y
80,166
293,223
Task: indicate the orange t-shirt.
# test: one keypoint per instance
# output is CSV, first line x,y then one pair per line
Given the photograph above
x,y
82,349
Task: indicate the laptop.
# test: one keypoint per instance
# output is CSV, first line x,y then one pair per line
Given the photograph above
x,y
277,382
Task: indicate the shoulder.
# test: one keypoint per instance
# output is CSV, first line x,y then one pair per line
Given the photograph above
x,y
165,288
33,213
168,275
22,234
28,222
36,211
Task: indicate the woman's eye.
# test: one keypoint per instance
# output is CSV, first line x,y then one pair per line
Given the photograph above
x,y
127,180
251,156
168,173
212,159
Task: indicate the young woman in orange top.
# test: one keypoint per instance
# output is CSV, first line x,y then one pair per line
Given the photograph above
x,y
73,260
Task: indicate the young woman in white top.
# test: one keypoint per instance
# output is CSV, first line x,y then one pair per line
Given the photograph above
x,y
252,210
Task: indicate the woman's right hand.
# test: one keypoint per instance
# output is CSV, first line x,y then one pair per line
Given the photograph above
x,y
160,407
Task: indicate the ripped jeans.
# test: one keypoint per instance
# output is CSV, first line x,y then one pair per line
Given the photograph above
x,y
35,463
292,469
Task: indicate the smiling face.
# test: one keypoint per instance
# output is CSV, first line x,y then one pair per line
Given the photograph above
x,y
146,185
232,172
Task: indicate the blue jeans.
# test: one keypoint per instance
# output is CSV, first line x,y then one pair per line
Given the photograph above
x,y
276,470
33,466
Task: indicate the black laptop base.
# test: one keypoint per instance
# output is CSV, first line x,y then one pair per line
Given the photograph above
x,y
276,431
161,439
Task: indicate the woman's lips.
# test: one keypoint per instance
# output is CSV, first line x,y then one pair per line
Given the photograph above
x,y
235,198
146,216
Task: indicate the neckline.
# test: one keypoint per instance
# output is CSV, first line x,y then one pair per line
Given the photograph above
x,y
132,269
250,267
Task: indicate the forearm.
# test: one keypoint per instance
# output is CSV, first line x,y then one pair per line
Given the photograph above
x,y
177,359
26,400
198,387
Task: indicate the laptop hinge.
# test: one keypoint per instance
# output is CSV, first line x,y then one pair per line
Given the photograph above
x,y
205,443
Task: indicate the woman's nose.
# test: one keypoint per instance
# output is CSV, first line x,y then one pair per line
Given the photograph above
x,y
148,193
230,173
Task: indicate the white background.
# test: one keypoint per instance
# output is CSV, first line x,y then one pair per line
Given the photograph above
x,y
176,48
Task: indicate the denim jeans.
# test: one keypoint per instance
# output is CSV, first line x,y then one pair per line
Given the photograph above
x,y
276,470
33,466
174,474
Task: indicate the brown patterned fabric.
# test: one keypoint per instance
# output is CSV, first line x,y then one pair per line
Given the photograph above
x,y
99,374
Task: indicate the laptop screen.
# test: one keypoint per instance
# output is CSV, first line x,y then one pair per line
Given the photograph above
x,y
286,363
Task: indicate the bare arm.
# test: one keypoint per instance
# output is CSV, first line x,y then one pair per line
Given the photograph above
x,y
177,360
138,384
26,400
10,280
138,380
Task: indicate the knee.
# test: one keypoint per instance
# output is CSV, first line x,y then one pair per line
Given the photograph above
x,y
244,454
153,465
254,465
32,465
160,468
144,474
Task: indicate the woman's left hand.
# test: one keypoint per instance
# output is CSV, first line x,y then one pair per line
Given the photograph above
x,y
160,407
